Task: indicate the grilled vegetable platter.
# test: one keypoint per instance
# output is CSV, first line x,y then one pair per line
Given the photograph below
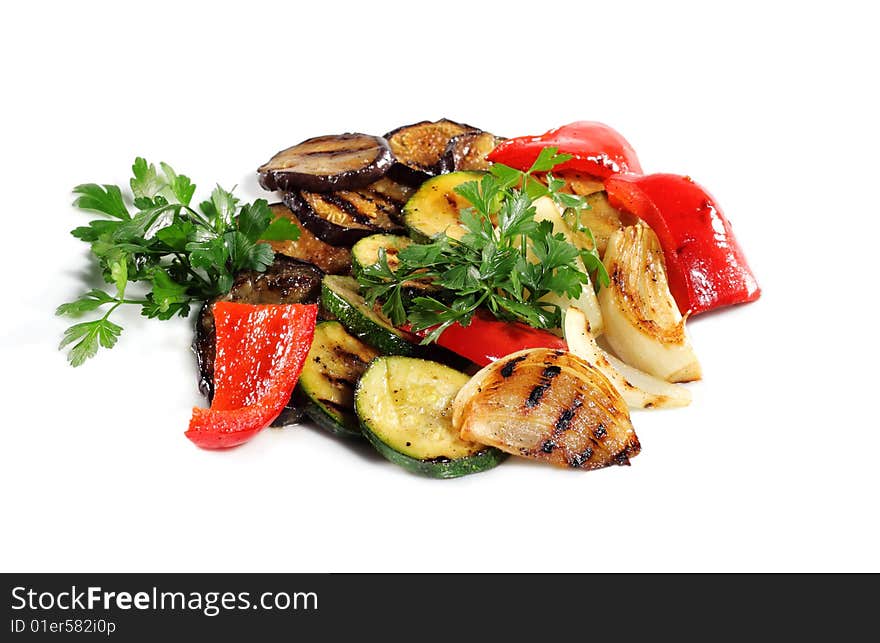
x,y
448,295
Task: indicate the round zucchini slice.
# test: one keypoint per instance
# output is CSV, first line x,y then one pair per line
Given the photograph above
x,y
340,297
404,406
436,207
335,362
366,251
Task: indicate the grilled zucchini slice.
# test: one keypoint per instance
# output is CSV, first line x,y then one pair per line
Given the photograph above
x,y
436,208
405,409
340,296
335,362
366,251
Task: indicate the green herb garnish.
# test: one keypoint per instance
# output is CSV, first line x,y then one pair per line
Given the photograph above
x,y
491,266
180,253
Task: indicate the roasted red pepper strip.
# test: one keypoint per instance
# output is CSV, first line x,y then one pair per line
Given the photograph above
x,y
705,265
260,353
597,150
487,339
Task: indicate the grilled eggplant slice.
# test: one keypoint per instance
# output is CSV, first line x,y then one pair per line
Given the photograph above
x,y
395,193
419,149
286,281
642,322
548,405
332,260
335,362
468,151
341,218
325,163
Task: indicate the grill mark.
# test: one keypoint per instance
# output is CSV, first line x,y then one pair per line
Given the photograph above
x,y
346,356
580,459
546,380
339,408
563,422
507,371
347,207
548,446
381,202
600,431
341,381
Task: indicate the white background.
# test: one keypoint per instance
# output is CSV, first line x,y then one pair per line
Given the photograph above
x,y
773,106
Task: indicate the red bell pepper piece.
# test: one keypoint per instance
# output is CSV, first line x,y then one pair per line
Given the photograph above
x,y
487,339
705,265
597,150
260,353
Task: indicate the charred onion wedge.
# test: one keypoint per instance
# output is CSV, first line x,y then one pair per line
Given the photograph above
x,y
419,149
548,405
642,322
325,163
468,151
333,260
639,390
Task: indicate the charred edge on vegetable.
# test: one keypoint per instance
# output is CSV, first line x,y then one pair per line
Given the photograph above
x,y
546,381
563,422
508,368
580,459
348,207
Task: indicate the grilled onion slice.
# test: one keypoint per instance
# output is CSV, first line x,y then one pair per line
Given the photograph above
x,y
546,210
548,405
326,163
639,390
642,322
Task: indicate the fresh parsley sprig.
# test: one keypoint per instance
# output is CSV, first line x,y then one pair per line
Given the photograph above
x,y
181,254
507,267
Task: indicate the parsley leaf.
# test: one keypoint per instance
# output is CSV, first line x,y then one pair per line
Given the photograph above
x,y
179,255
146,182
92,300
88,337
281,229
506,262
101,198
